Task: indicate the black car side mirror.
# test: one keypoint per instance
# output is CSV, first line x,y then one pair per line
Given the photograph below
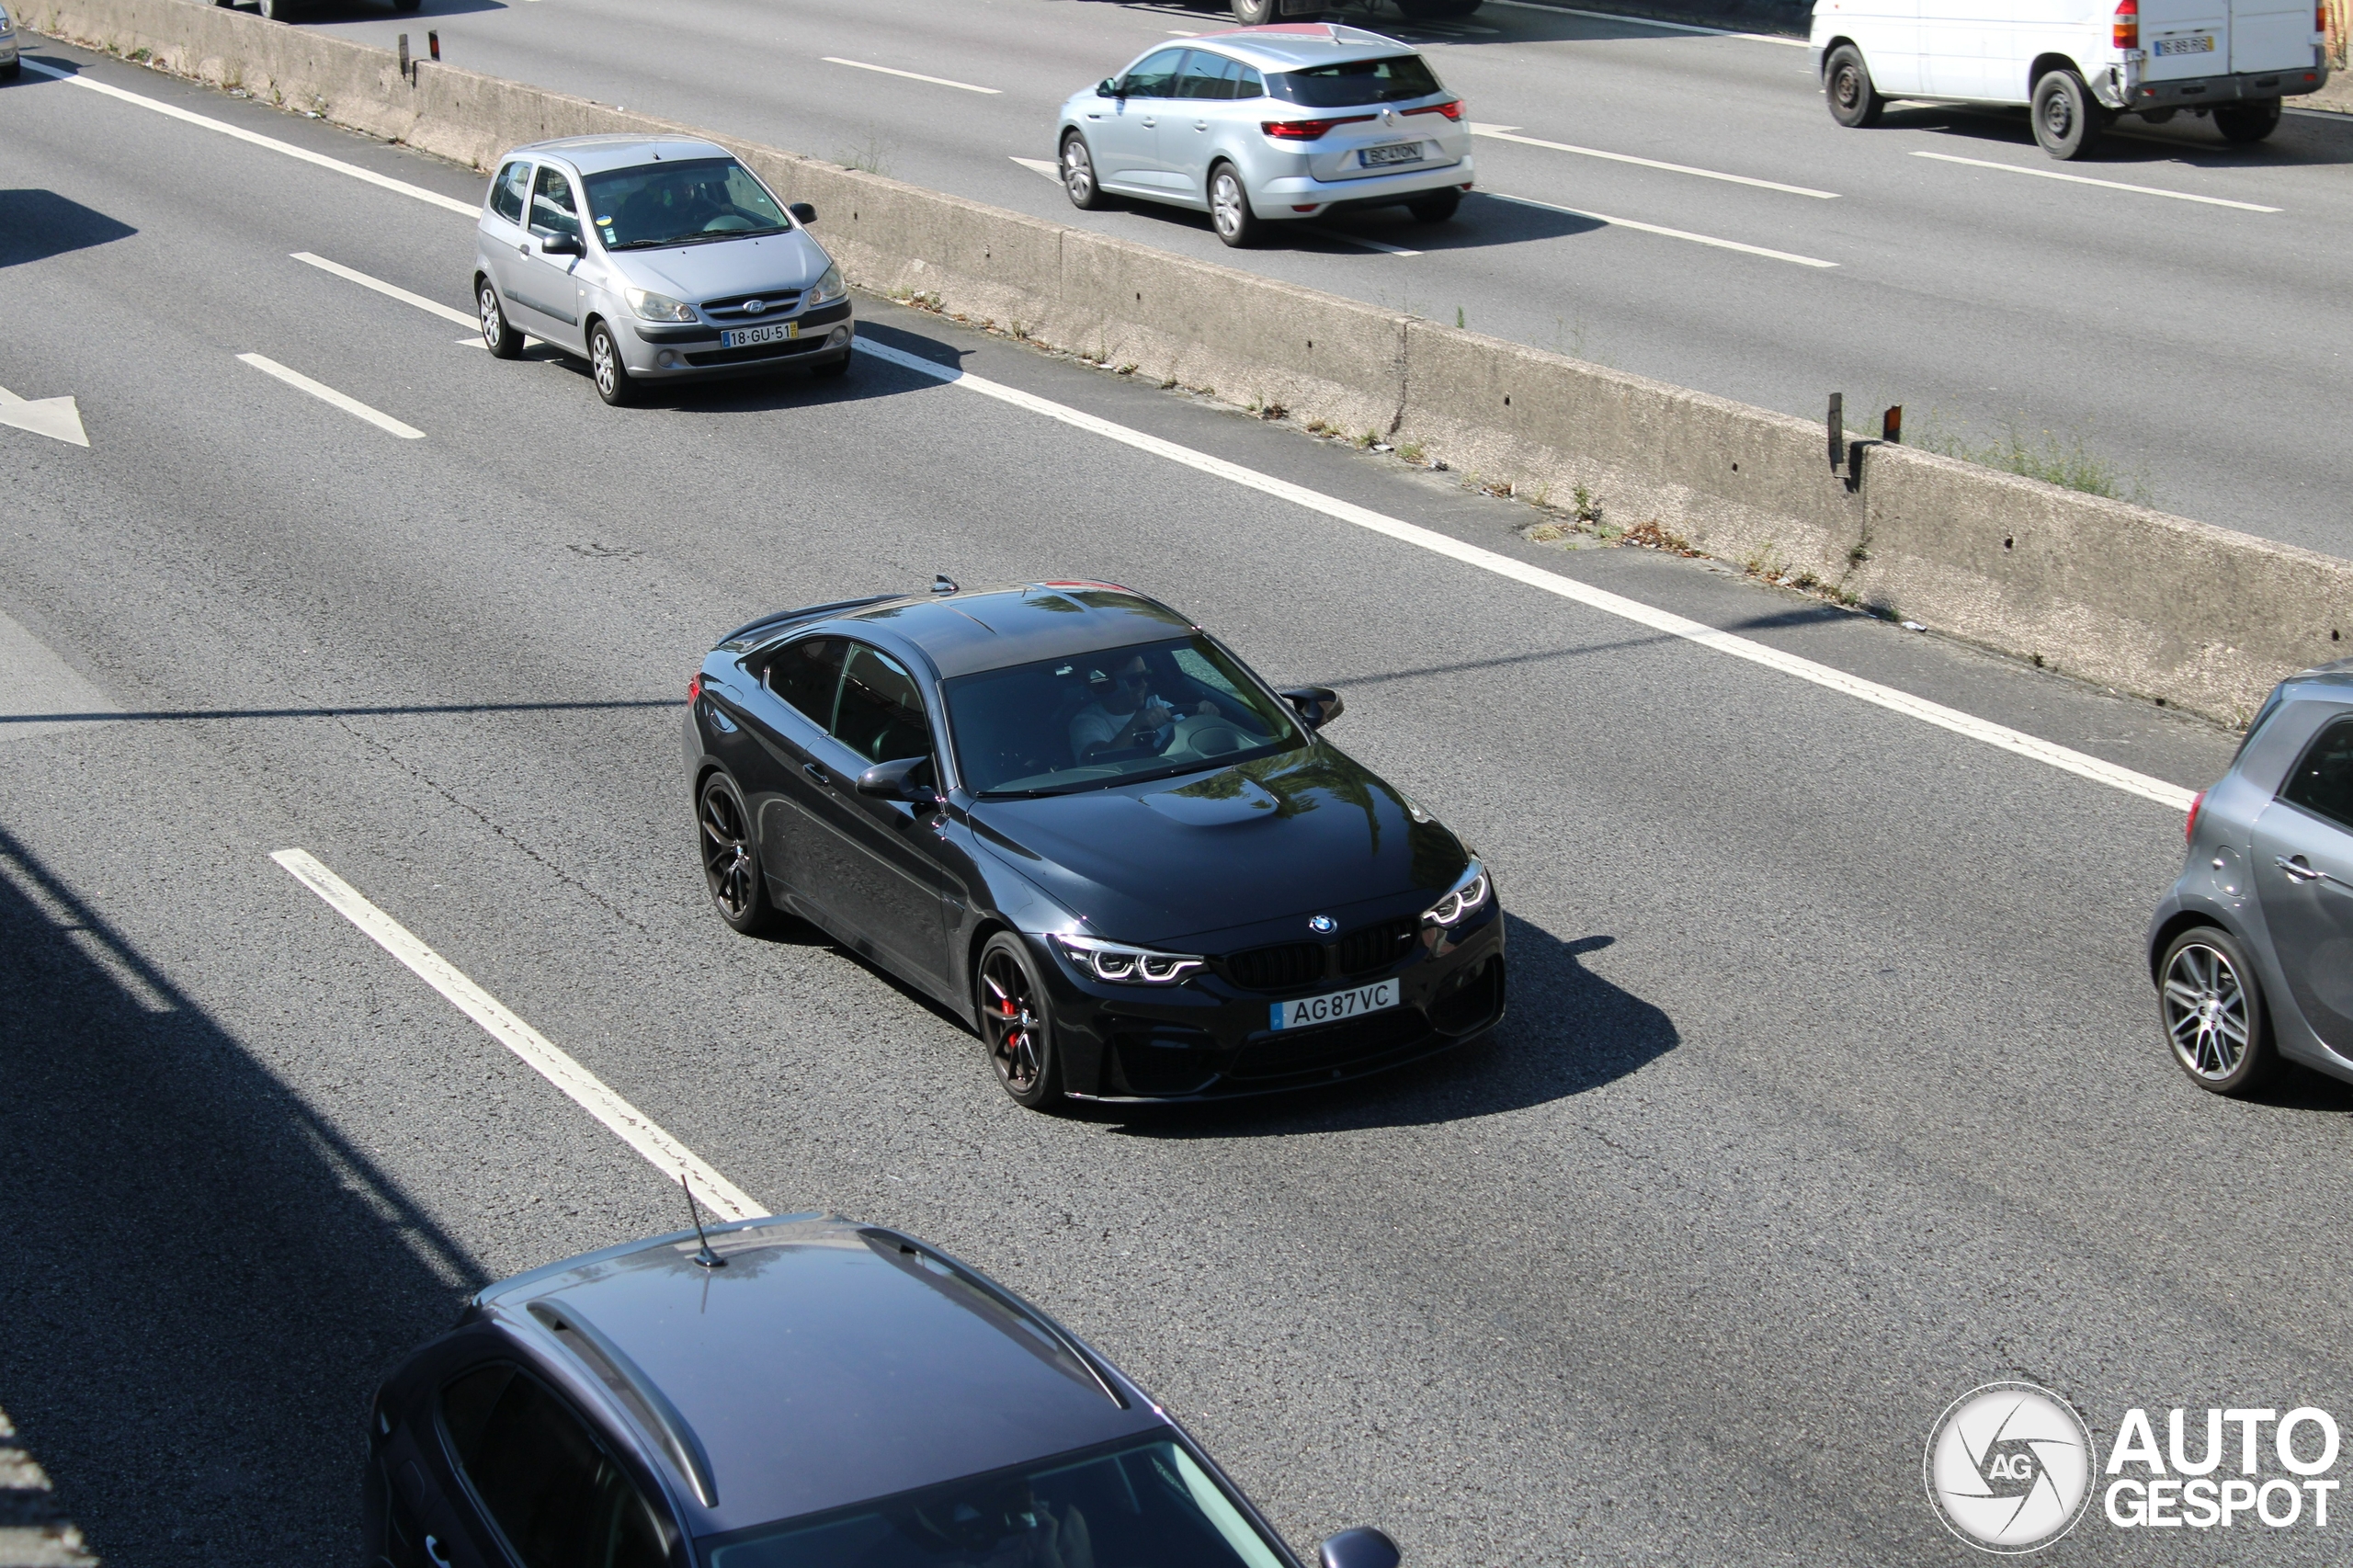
x,y
1109,87
560,244
907,779
802,213
1362,1547
1317,706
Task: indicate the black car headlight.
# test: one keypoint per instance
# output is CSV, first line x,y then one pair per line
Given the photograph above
x,y
1123,965
1469,892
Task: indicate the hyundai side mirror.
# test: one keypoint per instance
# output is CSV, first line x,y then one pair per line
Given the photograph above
x,y
560,245
1362,1547
1109,87
908,780
1316,705
802,213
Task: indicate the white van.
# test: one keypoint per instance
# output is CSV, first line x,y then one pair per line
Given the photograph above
x,y
2077,64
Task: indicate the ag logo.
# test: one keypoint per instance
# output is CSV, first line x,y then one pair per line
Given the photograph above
x,y
2009,1467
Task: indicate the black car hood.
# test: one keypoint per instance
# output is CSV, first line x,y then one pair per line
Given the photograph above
x,y
1303,832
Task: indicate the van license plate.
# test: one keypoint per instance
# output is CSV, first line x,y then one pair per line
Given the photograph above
x,y
752,336
2202,44
1395,153
1332,1008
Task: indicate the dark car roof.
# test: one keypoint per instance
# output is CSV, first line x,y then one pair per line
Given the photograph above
x,y
827,1362
987,629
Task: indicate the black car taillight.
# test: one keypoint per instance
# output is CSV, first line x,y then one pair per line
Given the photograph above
x,y
2190,828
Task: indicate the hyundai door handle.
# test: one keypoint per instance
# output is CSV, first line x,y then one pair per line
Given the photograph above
x,y
1200,125
433,1551
2297,869
1149,122
813,771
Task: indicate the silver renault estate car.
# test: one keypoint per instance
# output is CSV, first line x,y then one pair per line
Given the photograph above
x,y
1255,125
10,66
2252,950
655,258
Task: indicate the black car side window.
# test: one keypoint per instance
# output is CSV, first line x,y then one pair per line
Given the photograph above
x,y
2323,781
553,211
555,1495
807,674
880,714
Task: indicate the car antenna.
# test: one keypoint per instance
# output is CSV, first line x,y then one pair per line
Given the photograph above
x,y
706,1257
942,583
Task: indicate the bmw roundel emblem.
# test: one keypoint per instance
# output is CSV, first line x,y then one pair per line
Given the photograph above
x,y
1322,924
754,307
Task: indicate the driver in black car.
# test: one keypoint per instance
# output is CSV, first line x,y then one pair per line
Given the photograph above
x,y
1125,713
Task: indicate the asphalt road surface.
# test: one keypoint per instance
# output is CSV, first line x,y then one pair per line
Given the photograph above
x,y
1830,1088
2181,346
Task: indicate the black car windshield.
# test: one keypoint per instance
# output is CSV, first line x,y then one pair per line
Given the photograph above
x,y
1352,81
1146,1505
681,201
1145,711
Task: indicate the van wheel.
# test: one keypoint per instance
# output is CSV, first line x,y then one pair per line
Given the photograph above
x,y
2249,121
1435,10
2068,122
1254,13
1854,102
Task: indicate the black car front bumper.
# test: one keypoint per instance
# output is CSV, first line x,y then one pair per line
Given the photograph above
x,y
1211,1039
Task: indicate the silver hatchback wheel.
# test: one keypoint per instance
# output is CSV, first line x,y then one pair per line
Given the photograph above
x,y
1079,174
1230,212
613,382
2210,1003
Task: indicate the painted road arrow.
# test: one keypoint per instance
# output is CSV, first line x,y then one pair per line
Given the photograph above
x,y
55,417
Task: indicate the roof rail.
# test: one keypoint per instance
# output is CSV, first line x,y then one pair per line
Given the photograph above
x,y
973,1277
646,1401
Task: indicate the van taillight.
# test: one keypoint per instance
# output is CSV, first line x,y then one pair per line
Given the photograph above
x,y
2128,23
2190,828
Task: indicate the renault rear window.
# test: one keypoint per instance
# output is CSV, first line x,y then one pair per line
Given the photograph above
x,y
1352,81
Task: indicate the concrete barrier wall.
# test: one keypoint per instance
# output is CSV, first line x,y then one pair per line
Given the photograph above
x,y
2202,617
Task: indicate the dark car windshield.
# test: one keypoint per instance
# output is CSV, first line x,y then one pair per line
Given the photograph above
x,y
681,201
1146,1505
1353,82
1144,711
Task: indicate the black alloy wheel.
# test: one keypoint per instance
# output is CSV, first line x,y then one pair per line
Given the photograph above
x,y
2068,122
1846,82
498,334
730,861
2212,1005
1015,1024
613,382
2251,120
1078,176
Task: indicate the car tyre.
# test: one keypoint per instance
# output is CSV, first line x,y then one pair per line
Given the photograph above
x,y
2251,120
498,334
1254,13
2068,122
1230,212
1855,103
1015,1024
1078,176
13,69
1435,10
1434,208
834,367
2210,1006
274,10
613,381
407,5
730,858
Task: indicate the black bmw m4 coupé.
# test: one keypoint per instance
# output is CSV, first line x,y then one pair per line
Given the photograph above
x,y
1078,820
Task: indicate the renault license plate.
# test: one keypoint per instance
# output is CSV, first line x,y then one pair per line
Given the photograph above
x,y
2202,44
753,336
1330,1009
1394,152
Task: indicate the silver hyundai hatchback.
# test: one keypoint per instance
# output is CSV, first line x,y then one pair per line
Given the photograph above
x,y
2252,950
686,266
1295,120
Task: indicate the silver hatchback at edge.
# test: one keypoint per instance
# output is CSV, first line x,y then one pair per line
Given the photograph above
x,y
2252,950
686,266
1293,121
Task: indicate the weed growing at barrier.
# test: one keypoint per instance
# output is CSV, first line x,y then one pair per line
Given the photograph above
x,y
1410,452
874,159
2061,458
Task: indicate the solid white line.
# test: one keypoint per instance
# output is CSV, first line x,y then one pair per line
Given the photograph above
x,y
910,76
1381,245
1670,233
1888,696
2086,179
390,291
469,208
633,1127
327,394
1647,22
1045,168
1506,133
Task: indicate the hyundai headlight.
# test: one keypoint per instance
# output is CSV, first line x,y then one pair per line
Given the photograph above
x,y
1468,893
828,289
1124,965
652,306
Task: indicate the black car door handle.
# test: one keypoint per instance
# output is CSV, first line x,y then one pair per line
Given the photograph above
x,y
2297,869
433,1551
813,771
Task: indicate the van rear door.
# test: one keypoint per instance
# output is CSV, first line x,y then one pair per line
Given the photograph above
x,y
2187,38
2272,35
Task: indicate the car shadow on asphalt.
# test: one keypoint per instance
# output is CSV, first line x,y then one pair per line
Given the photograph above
x,y
38,224
2301,140
1486,221
1567,1030
202,1280
789,387
1525,26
